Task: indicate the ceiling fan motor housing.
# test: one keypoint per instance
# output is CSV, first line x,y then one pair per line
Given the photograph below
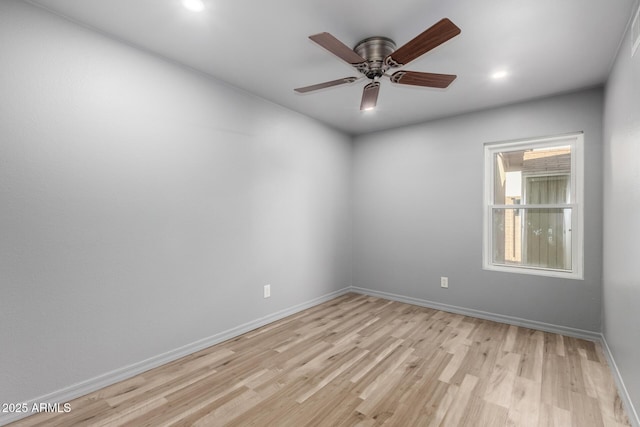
x,y
375,50
372,57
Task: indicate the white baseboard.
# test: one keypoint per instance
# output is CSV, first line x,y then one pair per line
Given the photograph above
x,y
93,384
85,387
532,324
634,419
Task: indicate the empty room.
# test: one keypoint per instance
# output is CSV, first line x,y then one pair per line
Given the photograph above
x,y
323,213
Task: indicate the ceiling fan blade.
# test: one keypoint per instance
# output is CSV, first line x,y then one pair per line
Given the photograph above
x,y
338,48
370,96
422,79
429,39
326,84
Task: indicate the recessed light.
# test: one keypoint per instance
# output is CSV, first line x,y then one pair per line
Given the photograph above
x,y
501,74
193,5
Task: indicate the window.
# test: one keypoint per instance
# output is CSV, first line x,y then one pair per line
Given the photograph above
x,y
533,206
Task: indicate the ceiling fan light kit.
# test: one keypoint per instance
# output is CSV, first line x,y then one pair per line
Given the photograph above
x,y
373,57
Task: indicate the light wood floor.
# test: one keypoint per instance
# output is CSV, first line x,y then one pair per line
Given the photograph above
x,y
359,360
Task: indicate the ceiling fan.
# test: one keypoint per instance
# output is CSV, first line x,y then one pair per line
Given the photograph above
x,y
374,56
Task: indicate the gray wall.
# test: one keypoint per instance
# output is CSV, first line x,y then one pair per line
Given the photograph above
x,y
143,206
418,212
621,274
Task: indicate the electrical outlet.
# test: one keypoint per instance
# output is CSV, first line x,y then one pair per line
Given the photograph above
x,y
444,282
267,291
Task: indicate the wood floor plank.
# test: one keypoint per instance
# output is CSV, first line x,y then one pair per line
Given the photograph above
x,y
531,361
510,341
556,383
552,416
502,380
363,361
492,415
525,403
459,353
337,368
460,403
387,385
376,358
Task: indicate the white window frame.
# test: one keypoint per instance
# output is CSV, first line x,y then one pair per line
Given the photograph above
x,y
576,141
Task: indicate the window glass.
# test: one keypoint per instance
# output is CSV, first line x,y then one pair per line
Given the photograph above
x,y
533,237
531,208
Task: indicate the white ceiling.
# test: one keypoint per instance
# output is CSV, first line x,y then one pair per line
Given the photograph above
x,y
548,46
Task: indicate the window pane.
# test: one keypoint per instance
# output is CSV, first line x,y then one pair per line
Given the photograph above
x,y
548,189
532,237
533,176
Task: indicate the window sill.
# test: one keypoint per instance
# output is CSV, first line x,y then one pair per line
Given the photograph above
x,y
534,271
